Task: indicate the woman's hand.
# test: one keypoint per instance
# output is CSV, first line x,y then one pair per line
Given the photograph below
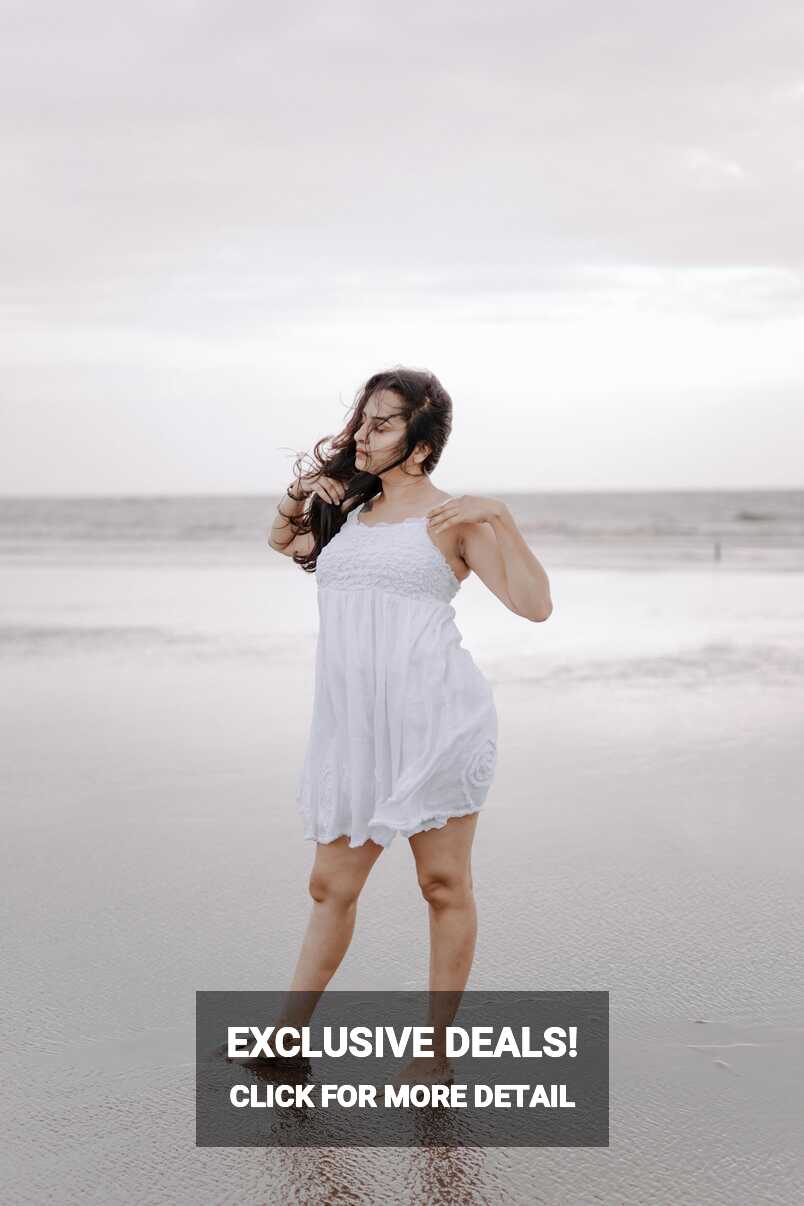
x,y
469,508
328,489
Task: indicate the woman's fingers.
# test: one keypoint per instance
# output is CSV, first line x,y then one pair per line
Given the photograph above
x,y
449,505
337,490
444,514
329,489
321,491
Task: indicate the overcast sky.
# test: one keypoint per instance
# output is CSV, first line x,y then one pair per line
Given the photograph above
x,y
219,218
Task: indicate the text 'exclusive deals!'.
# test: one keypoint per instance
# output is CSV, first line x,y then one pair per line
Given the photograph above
x,y
403,1069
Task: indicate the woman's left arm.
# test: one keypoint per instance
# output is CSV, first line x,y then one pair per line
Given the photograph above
x,y
500,556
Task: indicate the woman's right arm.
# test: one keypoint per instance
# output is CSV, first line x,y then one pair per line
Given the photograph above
x,y
292,504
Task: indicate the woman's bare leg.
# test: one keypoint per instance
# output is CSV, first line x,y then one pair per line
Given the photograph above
x,y
444,871
336,881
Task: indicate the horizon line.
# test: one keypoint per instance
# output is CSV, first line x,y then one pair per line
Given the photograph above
x,y
279,491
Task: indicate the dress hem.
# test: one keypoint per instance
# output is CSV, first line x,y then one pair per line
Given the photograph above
x,y
437,821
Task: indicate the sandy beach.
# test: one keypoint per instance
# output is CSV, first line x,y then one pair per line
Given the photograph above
x,y
643,836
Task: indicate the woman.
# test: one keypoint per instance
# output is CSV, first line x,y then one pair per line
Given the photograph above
x,y
404,728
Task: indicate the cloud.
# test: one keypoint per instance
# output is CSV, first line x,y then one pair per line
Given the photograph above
x,y
188,183
193,144
712,170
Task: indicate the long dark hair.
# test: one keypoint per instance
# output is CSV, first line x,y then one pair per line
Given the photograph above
x,y
426,408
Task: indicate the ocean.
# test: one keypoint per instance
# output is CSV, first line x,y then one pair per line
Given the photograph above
x,y
646,586
640,529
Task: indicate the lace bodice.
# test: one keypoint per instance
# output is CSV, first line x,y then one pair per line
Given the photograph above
x,y
396,557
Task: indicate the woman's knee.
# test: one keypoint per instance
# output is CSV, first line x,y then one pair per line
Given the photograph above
x,y
446,888
336,888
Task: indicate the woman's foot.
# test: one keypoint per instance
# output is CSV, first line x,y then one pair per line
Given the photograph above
x,y
427,1070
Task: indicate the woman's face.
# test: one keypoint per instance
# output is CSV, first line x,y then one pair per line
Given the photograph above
x,y
379,437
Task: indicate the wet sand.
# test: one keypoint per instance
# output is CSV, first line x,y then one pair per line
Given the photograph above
x,y
643,835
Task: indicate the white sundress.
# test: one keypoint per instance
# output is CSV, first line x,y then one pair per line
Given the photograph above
x,y
404,726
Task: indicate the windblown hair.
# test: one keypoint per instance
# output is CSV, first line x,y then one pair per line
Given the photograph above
x,y
427,410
